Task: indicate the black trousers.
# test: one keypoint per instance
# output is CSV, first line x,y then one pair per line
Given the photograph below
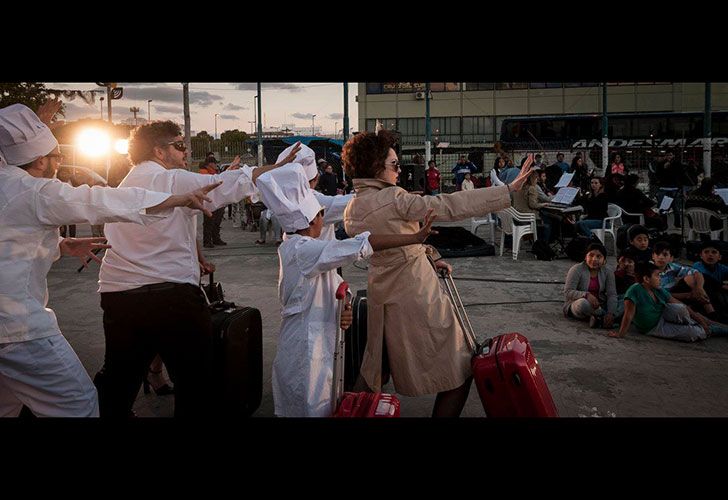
x,y
171,321
211,226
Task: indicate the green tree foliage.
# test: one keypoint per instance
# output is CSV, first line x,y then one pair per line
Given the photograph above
x,y
31,94
233,136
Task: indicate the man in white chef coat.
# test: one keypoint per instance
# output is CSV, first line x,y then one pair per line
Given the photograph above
x,y
38,368
154,272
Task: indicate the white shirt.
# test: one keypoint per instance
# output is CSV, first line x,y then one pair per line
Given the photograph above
x,y
468,185
307,283
165,252
31,209
334,207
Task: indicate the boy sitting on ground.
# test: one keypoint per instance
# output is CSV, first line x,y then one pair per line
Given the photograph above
x,y
683,282
715,275
639,240
624,274
657,313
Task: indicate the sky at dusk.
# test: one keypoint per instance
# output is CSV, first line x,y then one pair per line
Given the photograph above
x,y
289,103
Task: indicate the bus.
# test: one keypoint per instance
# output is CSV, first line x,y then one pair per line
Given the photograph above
x,y
638,137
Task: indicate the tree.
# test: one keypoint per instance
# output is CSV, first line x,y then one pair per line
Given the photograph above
x,y
31,94
233,136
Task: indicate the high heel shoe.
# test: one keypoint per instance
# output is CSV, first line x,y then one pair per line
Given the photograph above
x,y
163,390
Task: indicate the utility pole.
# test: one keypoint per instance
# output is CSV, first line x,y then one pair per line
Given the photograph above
x,y
134,110
605,130
428,127
707,132
188,126
346,112
260,129
102,106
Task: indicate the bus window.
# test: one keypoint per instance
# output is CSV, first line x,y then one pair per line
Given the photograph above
x,y
620,127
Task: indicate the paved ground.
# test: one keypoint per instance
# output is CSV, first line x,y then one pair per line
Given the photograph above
x,y
589,373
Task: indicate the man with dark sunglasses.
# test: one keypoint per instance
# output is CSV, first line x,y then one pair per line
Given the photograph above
x,y
38,367
149,279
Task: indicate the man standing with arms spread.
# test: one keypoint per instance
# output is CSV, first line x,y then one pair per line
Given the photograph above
x,y
38,367
149,280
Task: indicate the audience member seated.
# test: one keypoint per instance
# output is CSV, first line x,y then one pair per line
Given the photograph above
x,y
639,241
715,275
526,201
684,283
595,206
631,199
704,197
657,313
589,292
624,274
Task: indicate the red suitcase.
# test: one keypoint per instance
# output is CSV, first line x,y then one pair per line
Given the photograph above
x,y
355,404
509,381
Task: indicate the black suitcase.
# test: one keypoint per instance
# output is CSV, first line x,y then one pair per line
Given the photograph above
x,y
453,242
356,343
237,356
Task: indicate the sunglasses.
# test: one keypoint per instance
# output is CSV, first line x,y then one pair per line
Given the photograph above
x,y
178,145
395,164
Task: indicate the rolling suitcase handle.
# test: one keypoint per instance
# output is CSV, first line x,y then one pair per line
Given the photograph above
x,y
462,316
337,389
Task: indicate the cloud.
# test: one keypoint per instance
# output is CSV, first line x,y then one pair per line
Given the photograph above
x,y
170,94
291,87
302,116
234,107
229,117
335,116
169,109
75,111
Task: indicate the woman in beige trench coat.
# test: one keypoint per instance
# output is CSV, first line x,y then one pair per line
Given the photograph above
x,y
407,308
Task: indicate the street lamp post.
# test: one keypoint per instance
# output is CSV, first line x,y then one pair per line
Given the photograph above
x,y
102,107
216,115
149,110
336,133
313,126
134,110
260,126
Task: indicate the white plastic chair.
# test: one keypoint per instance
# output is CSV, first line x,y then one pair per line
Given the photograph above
x,y
614,213
487,221
624,212
508,217
698,222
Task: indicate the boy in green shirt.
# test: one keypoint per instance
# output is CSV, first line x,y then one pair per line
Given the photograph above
x,y
657,313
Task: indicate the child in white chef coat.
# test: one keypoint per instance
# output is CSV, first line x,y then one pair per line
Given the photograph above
x,y
307,283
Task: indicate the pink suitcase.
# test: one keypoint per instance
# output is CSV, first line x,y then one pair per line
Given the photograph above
x,y
355,404
509,381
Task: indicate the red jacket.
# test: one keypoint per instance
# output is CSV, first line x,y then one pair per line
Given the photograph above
x,y
433,178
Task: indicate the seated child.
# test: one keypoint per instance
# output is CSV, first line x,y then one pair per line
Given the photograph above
x,y
639,240
307,283
657,313
715,275
589,292
624,274
684,283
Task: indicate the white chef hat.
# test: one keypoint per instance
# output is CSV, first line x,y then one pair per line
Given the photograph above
x,y
305,157
286,192
23,137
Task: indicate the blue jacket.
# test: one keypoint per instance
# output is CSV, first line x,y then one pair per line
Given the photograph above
x,y
460,176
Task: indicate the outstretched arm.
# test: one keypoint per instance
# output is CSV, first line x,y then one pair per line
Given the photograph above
x,y
385,241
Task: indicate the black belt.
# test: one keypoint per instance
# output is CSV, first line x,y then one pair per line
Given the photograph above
x,y
156,287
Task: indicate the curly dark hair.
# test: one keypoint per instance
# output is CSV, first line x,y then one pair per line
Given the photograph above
x,y
364,154
146,137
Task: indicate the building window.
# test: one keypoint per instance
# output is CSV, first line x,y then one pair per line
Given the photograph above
x,y
480,86
510,86
374,88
